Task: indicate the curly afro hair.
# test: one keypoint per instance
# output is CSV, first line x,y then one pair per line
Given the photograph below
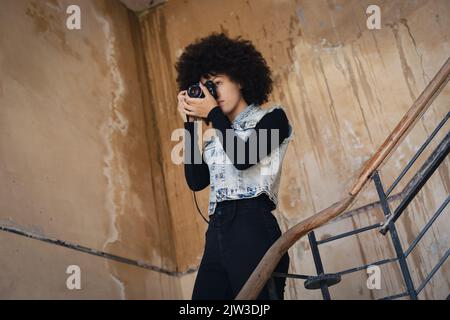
x,y
237,58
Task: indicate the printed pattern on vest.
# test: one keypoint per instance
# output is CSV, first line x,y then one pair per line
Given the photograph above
x,y
229,183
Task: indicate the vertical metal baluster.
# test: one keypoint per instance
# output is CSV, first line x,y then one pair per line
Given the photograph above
x,y
395,239
318,264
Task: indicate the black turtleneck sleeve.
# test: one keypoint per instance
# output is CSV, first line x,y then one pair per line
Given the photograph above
x,y
196,170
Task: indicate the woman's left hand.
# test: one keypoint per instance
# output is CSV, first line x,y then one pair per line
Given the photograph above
x,y
200,107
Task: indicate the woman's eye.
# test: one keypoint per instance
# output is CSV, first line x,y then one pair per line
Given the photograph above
x,y
218,82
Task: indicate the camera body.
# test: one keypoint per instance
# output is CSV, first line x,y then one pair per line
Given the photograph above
x,y
195,91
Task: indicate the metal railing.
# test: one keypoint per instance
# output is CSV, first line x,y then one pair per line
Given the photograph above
x,y
323,281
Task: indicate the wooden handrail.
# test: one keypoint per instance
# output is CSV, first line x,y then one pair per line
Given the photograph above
x,y
266,266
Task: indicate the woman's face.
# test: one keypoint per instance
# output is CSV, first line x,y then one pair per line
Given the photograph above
x,y
228,91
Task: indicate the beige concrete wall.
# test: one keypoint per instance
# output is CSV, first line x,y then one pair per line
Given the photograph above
x,y
86,119
75,158
345,88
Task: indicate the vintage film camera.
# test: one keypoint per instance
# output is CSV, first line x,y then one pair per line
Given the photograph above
x,y
195,91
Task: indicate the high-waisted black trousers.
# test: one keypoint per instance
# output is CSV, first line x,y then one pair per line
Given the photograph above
x,y
239,234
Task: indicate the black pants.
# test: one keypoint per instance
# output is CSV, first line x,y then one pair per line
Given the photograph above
x,y
239,234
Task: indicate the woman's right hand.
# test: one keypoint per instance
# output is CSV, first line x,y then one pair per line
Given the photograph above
x,y
181,105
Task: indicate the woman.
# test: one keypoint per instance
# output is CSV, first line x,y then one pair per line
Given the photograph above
x,y
242,163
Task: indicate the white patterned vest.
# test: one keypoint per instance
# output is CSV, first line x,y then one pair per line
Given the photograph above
x,y
229,183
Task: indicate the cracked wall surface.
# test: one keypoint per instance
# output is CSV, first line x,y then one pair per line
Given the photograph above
x,y
345,88
86,118
75,163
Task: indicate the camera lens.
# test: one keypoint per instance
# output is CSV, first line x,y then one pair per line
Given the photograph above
x,y
194,91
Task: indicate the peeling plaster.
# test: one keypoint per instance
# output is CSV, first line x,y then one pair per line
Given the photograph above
x,y
114,169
